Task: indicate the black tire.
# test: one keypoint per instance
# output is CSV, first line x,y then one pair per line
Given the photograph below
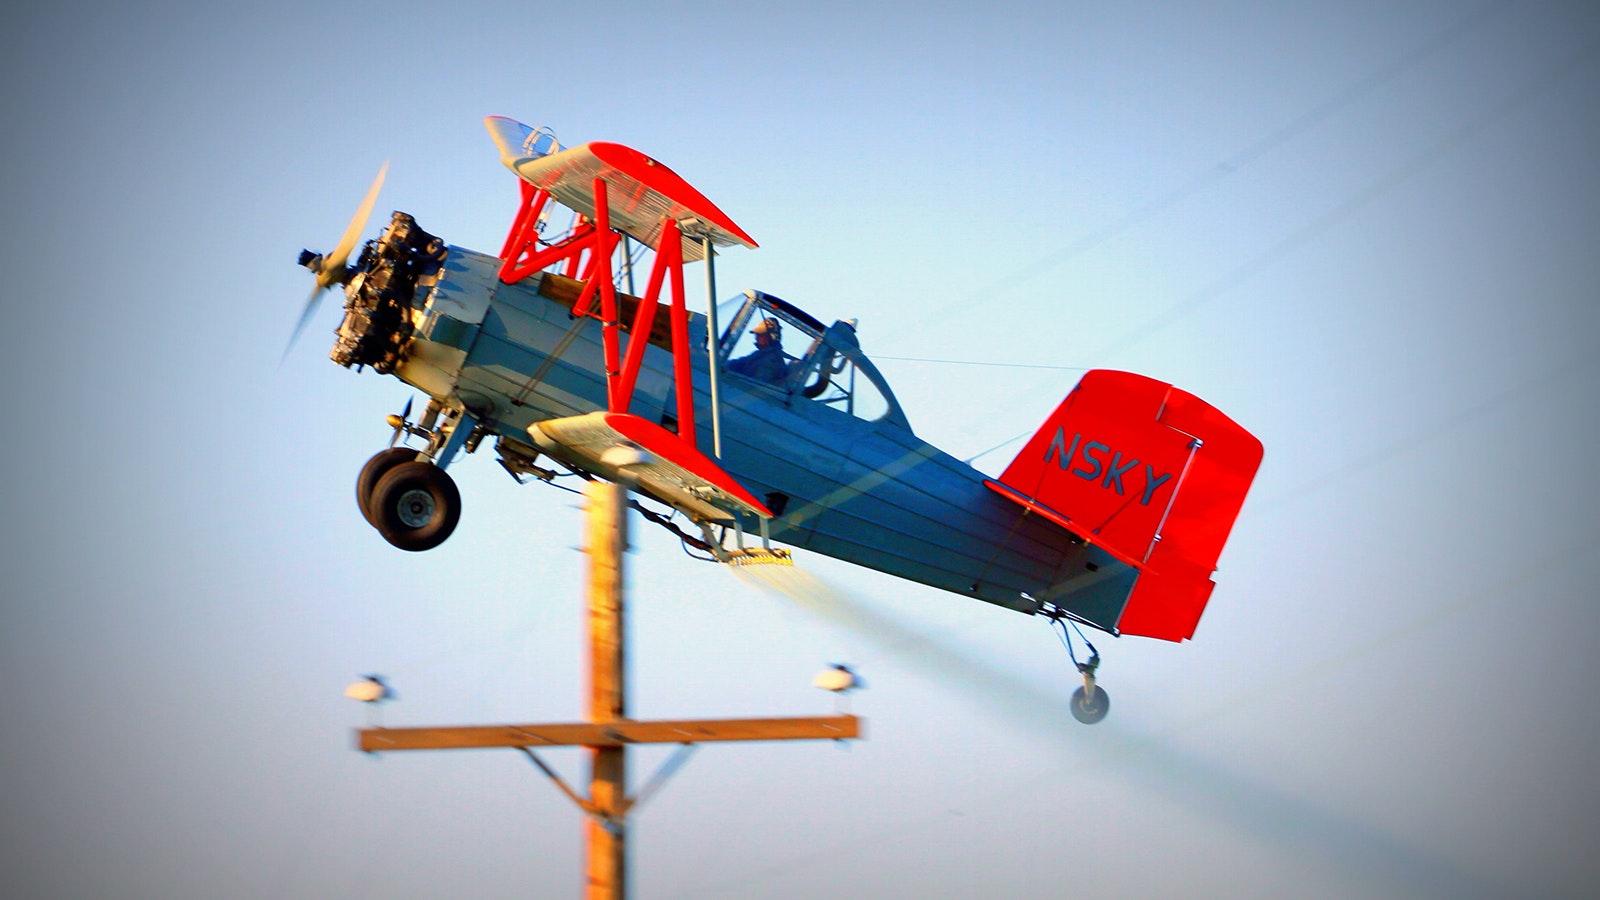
x,y
377,467
415,506
1089,712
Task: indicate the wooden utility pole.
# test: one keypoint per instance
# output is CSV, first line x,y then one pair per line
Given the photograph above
x,y
605,834
608,731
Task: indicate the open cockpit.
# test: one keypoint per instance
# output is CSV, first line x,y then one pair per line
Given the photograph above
x,y
778,349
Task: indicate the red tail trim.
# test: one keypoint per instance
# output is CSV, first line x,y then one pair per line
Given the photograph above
x,y
1150,473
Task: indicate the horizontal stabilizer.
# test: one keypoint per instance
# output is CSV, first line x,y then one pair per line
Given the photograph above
x,y
1150,473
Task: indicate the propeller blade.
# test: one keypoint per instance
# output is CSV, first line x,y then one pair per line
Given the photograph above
x,y
334,262
332,265
405,416
312,302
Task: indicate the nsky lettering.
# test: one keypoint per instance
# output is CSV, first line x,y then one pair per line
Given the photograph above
x,y
1091,467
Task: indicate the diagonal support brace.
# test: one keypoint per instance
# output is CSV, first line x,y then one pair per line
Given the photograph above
x,y
585,805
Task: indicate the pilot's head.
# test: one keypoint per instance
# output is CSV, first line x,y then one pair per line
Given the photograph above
x,y
767,332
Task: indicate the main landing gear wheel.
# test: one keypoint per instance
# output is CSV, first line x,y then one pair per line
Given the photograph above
x,y
1090,710
377,467
415,506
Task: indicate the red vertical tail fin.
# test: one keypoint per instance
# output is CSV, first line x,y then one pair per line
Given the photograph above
x,y
1153,475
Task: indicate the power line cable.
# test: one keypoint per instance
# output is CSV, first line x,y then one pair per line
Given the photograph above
x,y
1296,127
1365,197
1247,155
973,362
1419,437
1393,179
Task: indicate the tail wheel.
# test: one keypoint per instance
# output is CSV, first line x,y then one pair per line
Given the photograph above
x,y
415,506
1090,710
377,467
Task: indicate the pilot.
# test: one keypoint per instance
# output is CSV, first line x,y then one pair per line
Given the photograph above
x,y
767,363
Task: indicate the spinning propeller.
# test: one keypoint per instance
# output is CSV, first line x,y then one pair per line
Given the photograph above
x,y
399,423
329,269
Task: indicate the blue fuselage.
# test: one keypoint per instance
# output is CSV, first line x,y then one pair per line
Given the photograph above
x,y
864,490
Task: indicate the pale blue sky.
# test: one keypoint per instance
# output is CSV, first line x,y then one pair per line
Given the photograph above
x,y
1366,231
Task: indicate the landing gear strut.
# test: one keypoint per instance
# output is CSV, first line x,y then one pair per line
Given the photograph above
x,y
405,493
1090,703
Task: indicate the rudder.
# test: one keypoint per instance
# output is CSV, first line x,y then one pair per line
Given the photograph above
x,y
1153,475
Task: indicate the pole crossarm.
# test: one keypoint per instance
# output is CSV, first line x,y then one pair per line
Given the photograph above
x,y
609,734
609,731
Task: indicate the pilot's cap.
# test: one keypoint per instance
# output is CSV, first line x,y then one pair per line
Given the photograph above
x,y
768,326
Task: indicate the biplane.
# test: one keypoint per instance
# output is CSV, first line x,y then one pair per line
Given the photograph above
x,y
772,427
